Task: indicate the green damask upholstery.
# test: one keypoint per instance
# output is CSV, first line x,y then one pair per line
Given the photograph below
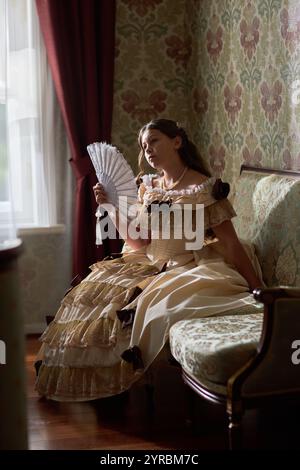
x,y
267,209
212,349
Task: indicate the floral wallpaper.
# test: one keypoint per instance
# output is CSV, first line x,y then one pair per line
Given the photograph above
x,y
228,70
153,49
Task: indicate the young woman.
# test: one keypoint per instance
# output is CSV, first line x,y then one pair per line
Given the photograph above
x,y
110,328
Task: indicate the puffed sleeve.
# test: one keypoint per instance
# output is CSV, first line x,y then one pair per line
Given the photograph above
x,y
218,212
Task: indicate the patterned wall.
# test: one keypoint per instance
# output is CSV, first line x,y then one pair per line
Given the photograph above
x,y
45,273
153,49
228,70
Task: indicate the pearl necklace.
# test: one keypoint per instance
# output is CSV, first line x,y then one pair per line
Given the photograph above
x,y
176,182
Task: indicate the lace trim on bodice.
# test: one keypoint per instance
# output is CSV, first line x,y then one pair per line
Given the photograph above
x,y
147,180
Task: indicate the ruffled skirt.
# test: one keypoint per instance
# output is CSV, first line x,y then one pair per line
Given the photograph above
x,y
82,346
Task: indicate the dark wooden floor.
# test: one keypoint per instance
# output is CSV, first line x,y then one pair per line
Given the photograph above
x,y
123,423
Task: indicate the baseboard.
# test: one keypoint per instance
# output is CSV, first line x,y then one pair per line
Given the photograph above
x,y
34,328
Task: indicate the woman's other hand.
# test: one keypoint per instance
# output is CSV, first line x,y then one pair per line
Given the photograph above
x,y
100,194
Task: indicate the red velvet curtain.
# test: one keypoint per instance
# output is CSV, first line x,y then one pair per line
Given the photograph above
x,y
79,38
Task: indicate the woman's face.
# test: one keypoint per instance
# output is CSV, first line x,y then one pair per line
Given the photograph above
x,y
159,149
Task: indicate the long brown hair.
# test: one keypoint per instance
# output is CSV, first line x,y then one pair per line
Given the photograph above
x,y
188,151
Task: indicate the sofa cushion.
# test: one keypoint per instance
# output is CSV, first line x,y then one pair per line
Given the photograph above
x,y
267,208
212,349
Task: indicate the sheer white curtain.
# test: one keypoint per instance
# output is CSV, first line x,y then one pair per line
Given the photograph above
x,y
32,139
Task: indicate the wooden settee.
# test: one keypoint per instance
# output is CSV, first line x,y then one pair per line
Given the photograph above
x,y
244,359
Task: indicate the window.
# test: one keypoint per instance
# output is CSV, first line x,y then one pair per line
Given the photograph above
x,y
27,108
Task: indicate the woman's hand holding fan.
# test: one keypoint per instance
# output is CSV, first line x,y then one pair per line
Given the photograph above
x,y
100,194
115,177
113,172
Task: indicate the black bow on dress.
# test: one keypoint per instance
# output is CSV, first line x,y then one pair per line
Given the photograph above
x,y
134,356
220,190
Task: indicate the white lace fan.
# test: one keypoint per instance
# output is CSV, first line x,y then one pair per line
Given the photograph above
x,y
117,178
113,172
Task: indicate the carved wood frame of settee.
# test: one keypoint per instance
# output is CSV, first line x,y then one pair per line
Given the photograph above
x,y
263,377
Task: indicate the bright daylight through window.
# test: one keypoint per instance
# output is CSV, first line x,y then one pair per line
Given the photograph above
x,y
25,119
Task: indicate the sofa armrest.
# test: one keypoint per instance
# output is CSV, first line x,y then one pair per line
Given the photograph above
x,y
268,295
272,371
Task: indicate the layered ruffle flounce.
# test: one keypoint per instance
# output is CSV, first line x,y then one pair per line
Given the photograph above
x,y
83,344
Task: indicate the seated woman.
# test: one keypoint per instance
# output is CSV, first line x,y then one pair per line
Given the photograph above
x,y
110,328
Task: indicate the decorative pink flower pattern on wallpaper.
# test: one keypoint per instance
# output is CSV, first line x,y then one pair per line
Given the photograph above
x,y
252,158
179,49
217,159
141,7
291,163
214,38
233,102
212,64
200,101
144,108
271,99
252,155
290,28
249,36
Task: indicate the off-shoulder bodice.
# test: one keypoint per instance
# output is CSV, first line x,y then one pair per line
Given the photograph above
x,y
171,243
